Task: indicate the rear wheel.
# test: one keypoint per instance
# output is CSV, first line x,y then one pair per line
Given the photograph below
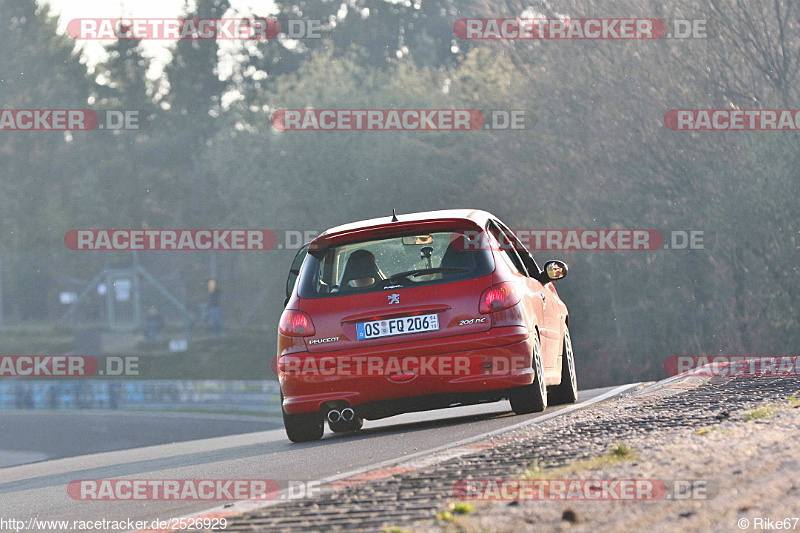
x,y
532,398
303,427
567,392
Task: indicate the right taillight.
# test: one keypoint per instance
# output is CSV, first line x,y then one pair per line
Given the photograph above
x,y
296,324
499,297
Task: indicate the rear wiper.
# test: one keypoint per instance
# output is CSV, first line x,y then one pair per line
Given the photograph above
x,y
424,271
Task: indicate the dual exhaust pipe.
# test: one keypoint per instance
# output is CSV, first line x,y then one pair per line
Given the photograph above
x,y
345,415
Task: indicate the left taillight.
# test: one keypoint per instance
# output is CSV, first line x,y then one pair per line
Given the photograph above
x,y
296,324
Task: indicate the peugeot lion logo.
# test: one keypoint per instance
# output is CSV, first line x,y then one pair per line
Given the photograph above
x,y
394,299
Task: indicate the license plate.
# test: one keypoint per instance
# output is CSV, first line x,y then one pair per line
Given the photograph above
x,y
397,326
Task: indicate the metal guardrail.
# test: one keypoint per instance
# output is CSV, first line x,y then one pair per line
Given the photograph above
x,y
205,395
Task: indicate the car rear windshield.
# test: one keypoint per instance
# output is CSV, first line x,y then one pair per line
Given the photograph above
x,y
401,261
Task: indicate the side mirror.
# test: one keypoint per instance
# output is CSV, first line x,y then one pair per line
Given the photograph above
x,y
555,270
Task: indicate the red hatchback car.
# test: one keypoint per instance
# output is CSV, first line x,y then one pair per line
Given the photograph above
x,y
416,312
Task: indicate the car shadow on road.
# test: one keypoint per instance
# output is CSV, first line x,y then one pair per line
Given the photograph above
x,y
411,427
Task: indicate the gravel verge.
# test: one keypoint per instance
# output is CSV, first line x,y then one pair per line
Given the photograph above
x,y
695,429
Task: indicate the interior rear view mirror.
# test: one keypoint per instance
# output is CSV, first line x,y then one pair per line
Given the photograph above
x,y
417,239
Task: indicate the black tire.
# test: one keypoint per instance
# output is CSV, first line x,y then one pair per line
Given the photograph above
x,y
304,427
567,392
532,398
353,425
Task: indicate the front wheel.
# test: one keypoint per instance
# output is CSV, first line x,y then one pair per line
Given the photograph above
x,y
567,391
532,398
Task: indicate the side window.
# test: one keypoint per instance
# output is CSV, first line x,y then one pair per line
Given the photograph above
x,y
507,247
294,271
524,254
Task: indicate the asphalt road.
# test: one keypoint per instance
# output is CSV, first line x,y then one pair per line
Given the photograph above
x,y
28,436
39,489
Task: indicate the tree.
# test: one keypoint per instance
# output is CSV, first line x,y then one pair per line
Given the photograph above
x,y
126,177
192,119
41,170
382,31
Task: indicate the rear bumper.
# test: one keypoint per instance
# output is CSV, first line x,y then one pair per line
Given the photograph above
x,y
465,369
